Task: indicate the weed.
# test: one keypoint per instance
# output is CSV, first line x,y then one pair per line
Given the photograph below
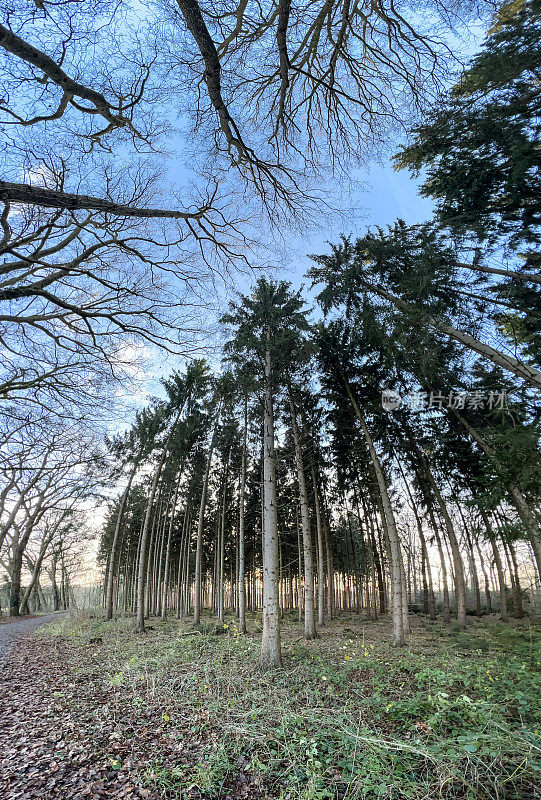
x,y
455,715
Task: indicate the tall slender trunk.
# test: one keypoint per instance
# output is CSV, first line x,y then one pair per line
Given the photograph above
x,y
445,586
15,588
518,608
320,565
181,563
167,567
485,577
475,578
114,545
524,511
394,542
186,590
471,558
498,562
200,529
330,561
271,653
221,544
153,548
300,570
54,585
376,557
405,616
431,604
460,584
47,539
309,615
141,573
354,560
501,580
241,588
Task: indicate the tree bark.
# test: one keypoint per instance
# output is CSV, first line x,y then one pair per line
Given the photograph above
x,y
140,615
309,615
460,584
167,567
445,587
271,654
330,567
394,542
431,604
28,194
498,562
200,529
114,545
320,565
242,491
524,511
485,577
15,587
37,567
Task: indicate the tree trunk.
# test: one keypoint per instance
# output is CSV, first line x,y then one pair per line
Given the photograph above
x,y
485,577
15,575
309,614
405,617
518,608
37,568
330,562
200,529
300,571
167,567
54,585
501,579
445,586
114,546
221,545
242,491
498,562
320,566
460,584
475,579
141,574
427,578
524,511
271,653
394,541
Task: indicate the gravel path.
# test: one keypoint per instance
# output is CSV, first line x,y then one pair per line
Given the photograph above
x,y
10,632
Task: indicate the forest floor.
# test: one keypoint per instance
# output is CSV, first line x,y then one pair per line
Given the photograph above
x,y
92,710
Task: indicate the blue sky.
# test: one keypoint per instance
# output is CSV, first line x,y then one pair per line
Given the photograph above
x,y
386,196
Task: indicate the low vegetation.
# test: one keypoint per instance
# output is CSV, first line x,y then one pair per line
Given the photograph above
x,y
457,715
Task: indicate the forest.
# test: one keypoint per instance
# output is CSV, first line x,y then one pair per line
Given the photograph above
x,y
270,485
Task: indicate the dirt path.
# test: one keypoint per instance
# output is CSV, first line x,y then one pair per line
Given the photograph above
x,y
11,632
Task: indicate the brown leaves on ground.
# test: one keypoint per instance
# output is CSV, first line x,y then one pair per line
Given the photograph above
x,y
67,736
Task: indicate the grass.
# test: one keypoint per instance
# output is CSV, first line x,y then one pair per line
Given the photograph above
x,y
454,715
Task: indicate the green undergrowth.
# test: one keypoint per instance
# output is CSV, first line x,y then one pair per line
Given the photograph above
x,y
456,714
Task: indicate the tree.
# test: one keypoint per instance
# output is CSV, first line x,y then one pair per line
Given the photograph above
x,y
45,479
479,146
479,150
182,391
335,352
266,327
415,273
95,256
